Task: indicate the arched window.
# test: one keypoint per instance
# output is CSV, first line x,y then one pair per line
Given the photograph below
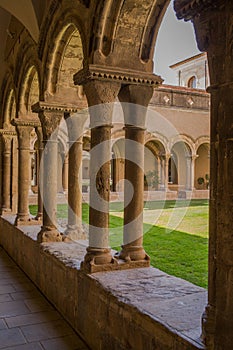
x,y
192,82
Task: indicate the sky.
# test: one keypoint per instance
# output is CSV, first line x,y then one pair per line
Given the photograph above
x,y
175,42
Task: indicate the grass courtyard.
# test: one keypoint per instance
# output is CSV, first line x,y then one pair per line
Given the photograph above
x,y
175,235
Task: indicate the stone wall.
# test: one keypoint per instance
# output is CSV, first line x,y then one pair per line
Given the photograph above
x,y
110,310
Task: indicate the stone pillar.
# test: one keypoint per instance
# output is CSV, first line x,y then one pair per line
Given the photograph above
x,y
134,101
213,23
75,124
100,95
24,130
39,173
6,188
50,118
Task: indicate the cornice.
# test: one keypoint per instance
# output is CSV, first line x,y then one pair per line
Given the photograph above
x,y
22,122
188,9
49,107
7,132
127,77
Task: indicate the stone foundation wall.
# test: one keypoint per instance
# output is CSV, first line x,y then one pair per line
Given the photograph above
x,y
102,316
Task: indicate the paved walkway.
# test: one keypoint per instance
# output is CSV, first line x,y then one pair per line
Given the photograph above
x,y
27,320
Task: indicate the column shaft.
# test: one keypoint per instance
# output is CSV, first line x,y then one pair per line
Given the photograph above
x,y
134,101
75,125
74,228
133,212
6,191
50,120
24,167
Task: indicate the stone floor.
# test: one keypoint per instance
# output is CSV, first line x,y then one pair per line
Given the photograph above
x,y
27,320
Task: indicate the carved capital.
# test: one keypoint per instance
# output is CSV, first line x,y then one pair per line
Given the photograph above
x,y
7,136
75,125
24,129
135,100
188,9
50,117
101,96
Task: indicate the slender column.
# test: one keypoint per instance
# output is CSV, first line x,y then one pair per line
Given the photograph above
x,y
65,173
188,173
75,124
50,118
193,162
162,172
24,166
6,189
134,99
166,161
100,96
39,175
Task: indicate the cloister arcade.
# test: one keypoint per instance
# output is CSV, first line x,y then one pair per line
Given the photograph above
x,y
68,61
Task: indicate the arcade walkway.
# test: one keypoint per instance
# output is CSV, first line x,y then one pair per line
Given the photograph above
x,y
27,320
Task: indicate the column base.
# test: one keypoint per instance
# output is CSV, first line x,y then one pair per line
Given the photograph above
x,y
208,326
48,234
133,255
25,221
98,259
74,233
5,211
38,217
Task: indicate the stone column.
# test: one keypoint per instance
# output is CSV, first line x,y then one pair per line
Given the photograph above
x,y
193,159
6,188
134,101
50,118
39,173
100,95
75,124
65,173
24,130
188,173
213,25
166,162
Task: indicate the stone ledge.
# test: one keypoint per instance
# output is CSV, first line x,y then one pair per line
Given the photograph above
x,y
130,309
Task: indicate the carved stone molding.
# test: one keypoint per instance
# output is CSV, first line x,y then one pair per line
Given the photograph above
x,y
188,9
49,107
29,123
7,132
94,72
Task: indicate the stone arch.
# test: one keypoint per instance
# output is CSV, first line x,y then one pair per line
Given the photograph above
x,y
200,141
10,108
119,22
202,166
179,170
187,140
29,92
66,54
154,151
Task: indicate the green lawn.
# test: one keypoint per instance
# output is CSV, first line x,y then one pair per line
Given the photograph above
x,y
175,235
